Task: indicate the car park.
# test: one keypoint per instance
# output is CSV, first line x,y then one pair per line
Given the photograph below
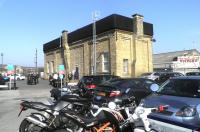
x,y
122,88
182,96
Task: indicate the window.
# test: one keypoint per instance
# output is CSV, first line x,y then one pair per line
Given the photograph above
x,y
125,66
105,62
48,67
51,67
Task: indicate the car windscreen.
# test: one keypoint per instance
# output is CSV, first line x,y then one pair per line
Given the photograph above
x,y
181,87
120,83
146,74
93,80
193,74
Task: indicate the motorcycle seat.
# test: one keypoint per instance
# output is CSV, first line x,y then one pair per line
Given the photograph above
x,y
73,98
36,105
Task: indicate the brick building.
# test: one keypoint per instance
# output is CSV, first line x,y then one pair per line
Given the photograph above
x,y
123,48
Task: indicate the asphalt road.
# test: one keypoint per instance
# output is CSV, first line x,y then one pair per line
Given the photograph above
x,y
10,100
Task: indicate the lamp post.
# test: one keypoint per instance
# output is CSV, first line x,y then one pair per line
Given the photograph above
x,y
94,16
1,62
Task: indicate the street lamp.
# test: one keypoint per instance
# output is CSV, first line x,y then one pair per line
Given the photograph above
x,y
1,62
95,14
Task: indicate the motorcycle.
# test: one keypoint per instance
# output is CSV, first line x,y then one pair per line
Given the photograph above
x,y
57,93
105,118
49,117
117,118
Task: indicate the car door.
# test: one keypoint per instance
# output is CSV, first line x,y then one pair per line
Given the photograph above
x,y
139,91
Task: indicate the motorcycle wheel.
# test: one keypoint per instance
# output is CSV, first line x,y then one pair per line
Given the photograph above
x,y
27,126
71,126
104,127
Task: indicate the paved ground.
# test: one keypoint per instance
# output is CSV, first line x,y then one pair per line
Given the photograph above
x,y
10,100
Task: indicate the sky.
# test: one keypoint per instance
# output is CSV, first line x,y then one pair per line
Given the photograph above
x,y
25,25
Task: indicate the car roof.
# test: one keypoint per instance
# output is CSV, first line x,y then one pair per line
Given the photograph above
x,y
133,78
187,77
99,75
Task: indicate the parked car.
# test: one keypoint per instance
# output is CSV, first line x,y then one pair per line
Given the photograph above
x,y
2,81
17,77
167,75
192,74
182,95
87,84
123,88
6,79
150,75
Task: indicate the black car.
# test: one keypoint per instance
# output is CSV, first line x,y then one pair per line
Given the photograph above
x,y
164,76
87,84
192,74
2,80
119,89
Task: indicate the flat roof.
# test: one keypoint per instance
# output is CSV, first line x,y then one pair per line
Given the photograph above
x,y
108,23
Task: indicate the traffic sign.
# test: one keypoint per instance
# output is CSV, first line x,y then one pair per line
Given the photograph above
x,y
10,67
61,76
61,69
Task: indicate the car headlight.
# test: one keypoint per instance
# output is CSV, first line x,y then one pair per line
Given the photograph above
x,y
187,111
112,105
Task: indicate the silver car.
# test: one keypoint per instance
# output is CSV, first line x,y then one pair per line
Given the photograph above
x,y
182,95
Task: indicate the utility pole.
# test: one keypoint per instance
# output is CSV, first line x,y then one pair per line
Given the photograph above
x,y
36,61
95,14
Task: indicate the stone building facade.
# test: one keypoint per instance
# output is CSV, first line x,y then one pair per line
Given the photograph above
x,y
123,48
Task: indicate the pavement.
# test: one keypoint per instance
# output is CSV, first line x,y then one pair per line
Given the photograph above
x,y
10,103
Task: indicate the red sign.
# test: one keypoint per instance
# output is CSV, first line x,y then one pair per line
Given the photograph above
x,y
10,72
61,72
190,59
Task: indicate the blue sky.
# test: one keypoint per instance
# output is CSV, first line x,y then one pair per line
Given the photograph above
x,y
25,25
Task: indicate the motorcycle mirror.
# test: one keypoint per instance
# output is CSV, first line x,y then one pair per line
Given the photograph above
x,y
127,90
198,108
154,87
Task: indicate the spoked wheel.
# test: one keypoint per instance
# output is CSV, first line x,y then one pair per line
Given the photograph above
x,y
27,126
104,127
71,126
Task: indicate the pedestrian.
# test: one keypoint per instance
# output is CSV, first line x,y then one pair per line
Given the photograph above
x,y
50,79
37,78
76,74
55,80
70,76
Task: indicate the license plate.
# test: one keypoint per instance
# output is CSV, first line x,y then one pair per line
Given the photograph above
x,y
101,94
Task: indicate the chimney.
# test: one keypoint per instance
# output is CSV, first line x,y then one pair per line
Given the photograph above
x,y
138,24
64,39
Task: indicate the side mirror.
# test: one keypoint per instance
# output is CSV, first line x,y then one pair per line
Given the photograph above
x,y
127,90
154,87
198,108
